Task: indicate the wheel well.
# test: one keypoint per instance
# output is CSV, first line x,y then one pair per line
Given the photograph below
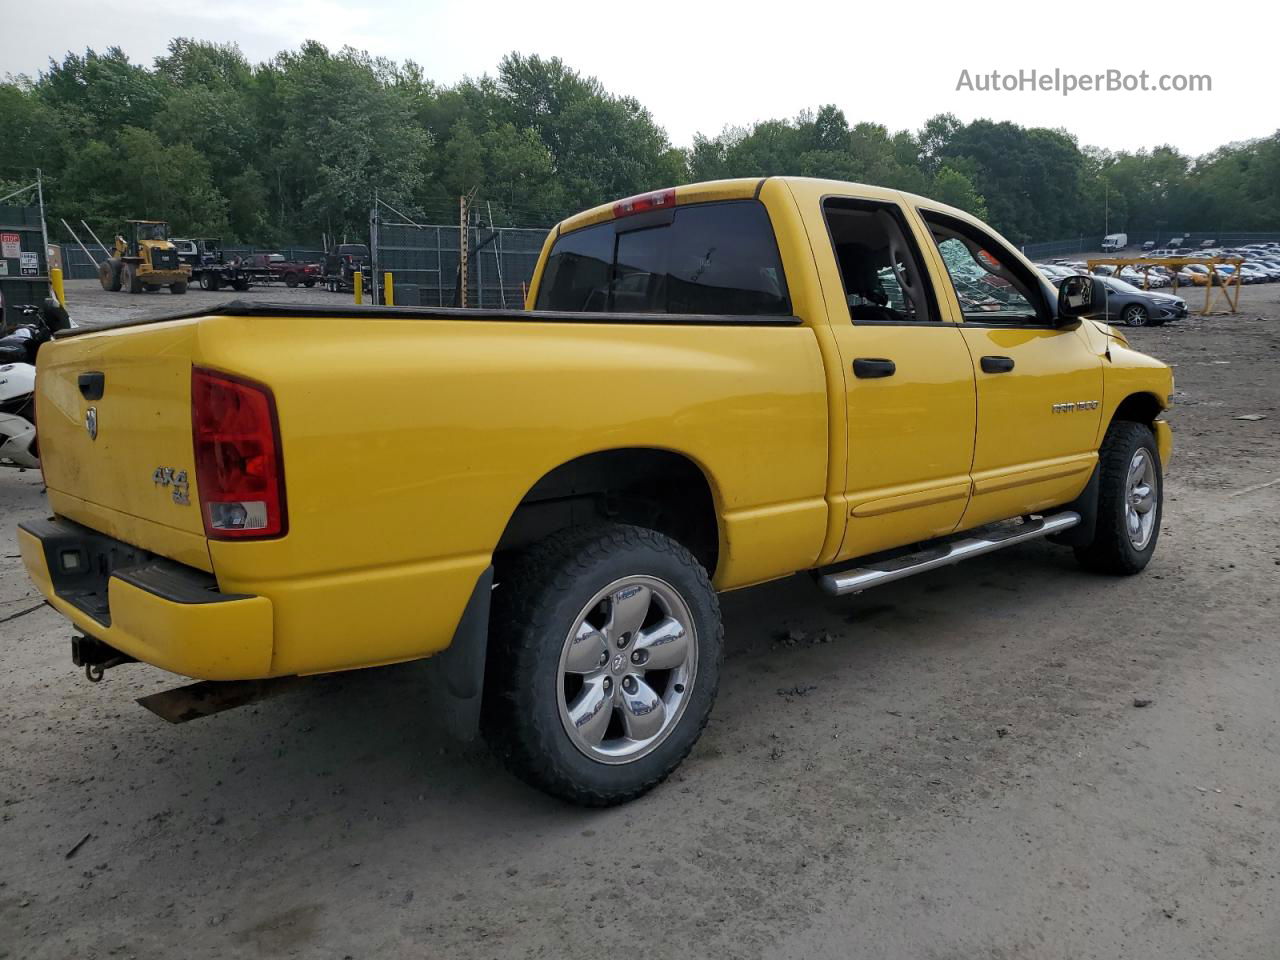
x,y
1139,408
658,489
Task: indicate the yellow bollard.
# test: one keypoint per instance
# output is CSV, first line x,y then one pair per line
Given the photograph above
x,y
388,290
55,281
357,284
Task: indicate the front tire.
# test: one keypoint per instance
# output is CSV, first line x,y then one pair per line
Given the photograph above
x,y
179,287
109,275
604,662
129,278
1130,502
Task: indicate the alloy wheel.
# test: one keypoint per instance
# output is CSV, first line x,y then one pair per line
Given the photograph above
x,y
627,669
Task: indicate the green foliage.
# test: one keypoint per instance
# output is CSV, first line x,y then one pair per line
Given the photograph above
x,y
298,147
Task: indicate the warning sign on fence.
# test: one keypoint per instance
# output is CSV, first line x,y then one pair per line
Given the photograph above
x,y
10,245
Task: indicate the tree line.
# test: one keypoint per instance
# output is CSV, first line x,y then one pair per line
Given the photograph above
x,y
290,149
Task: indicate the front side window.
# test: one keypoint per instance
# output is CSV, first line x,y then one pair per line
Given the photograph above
x,y
709,258
990,284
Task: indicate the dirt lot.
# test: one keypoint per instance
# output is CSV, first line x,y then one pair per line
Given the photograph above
x,y
960,772
89,304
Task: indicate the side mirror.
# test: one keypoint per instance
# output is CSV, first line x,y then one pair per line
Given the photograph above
x,y
1081,296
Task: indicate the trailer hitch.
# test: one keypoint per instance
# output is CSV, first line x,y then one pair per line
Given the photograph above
x,y
96,657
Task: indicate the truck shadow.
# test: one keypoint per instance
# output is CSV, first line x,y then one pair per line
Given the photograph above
x,y
373,740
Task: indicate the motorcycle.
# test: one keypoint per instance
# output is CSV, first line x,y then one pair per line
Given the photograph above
x,y
19,346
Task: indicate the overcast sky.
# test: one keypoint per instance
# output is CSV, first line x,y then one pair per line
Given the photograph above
x,y
699,67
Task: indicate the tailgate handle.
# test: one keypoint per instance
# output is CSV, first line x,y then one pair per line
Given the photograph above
x,y
92,384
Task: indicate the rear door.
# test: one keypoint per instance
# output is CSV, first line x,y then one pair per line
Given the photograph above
x,y
909,382
1039,386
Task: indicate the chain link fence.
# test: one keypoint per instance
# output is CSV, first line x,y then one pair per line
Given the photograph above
x,y
424,261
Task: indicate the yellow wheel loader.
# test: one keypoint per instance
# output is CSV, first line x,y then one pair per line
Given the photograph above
x,y
145,259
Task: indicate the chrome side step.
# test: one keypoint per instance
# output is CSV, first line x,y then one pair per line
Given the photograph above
x,y
857,579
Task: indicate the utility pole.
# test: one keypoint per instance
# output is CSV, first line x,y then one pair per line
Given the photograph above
x,y
1106,206
462,249
44,229
374,240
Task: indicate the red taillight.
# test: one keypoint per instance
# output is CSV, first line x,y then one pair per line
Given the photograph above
x,y
643,203
239,471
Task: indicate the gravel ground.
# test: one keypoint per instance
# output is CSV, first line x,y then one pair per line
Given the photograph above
x,y
89,304
954,766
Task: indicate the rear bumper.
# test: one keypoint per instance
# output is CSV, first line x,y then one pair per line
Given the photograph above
x,y
156,611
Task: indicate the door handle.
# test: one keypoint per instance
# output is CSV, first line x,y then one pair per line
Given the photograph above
x,y
871,368
997,364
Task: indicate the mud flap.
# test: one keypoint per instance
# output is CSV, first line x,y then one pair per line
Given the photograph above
x,y
1081,535
455,676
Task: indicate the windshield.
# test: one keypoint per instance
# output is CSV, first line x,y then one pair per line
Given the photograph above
x,y
153,231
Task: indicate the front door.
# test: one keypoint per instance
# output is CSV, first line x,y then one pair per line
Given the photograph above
x,y
1039,386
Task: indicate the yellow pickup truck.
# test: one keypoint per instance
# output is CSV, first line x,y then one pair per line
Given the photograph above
x,y
711,387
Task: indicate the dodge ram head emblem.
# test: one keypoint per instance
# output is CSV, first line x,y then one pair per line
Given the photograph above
x,y
91,422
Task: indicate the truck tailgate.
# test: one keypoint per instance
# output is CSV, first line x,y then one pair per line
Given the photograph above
x,y
113,410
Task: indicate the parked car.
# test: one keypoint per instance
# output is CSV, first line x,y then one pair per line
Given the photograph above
x,y
1126,304
1055,273
547,507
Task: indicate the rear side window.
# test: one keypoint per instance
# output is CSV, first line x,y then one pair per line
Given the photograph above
x,y
711,258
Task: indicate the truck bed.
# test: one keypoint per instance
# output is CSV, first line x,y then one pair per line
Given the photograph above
x,y
267,308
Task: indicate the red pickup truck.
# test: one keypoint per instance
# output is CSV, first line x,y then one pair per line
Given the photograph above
x,y
274,266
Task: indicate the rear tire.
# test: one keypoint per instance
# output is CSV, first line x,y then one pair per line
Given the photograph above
x,y
600,727
179,287
1130,502
308,284
240,284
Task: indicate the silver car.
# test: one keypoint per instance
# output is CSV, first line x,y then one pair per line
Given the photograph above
x,y
1139,308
